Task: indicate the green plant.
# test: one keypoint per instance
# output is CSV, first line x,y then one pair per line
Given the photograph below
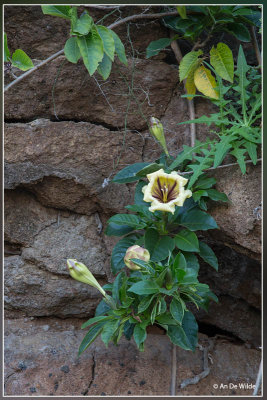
x,y
238,131
162,278
95,44
196,21
19,58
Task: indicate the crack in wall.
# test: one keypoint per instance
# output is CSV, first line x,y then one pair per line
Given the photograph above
x,y
93,375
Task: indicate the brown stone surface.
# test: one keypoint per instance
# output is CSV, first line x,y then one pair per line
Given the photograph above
x,y
81,99
237,220
41,359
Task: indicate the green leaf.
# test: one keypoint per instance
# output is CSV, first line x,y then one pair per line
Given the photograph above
x,y
95,319
109,329
240,31
117,230
139,195
118,254
177,310
204,182
145,303
186,240
222,149
90,337
158,246
157,45
119,48
6,50
199,193
71,50
128,330
139,335
203,163
144,287
182,11
213,194
186,154
126,219
252,151
153,314
149,169
196,220
83,25
166,319
21,60
178,337
240,158
142,210
221,58
241,71
117,284
91,48
179,261
189,63
57,11
208,255
190,277
108,41
191,261
104,67
102,308
190,327
128,174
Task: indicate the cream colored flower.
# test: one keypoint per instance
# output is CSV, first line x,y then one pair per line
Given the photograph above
x,y
135,251
165,191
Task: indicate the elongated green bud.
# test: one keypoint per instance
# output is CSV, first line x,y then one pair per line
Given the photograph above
x,y
156,130
168,279
81,273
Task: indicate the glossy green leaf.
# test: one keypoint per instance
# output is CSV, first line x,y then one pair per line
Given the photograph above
x,y
21,60
158,246
104,67
118,230
144,287
128,174
178,337
95,319
208,255
102,308
149,169
166,319
177,310
118,254
119,48
179,261
83,25
199,193
57,11
240,31
145,303
196,220
92,51
128,330
108,330
221,58
126,219
186,240
204,182
190,327
71,50
213,194
108,40
191,260
139,335
157,45
117,284
91,335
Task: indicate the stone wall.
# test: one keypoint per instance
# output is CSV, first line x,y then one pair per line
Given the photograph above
x,y
64,136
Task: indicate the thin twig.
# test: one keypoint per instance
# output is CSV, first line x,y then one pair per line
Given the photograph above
x,y
174,371
178,55
112,26
255,45
220,166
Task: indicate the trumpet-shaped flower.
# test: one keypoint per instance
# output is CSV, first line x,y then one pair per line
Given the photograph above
x,y
165,191
135,251
81,273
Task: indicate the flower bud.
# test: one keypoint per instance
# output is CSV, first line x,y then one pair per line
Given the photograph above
x,y
136,252
156,130
81,273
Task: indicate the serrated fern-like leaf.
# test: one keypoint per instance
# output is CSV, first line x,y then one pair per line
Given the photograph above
x,y
187,153
222,148
241,71
203,163
238,153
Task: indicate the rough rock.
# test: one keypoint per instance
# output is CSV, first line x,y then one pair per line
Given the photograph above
x,y
239,226
29,29
113,102
69,162
33,291
41,359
